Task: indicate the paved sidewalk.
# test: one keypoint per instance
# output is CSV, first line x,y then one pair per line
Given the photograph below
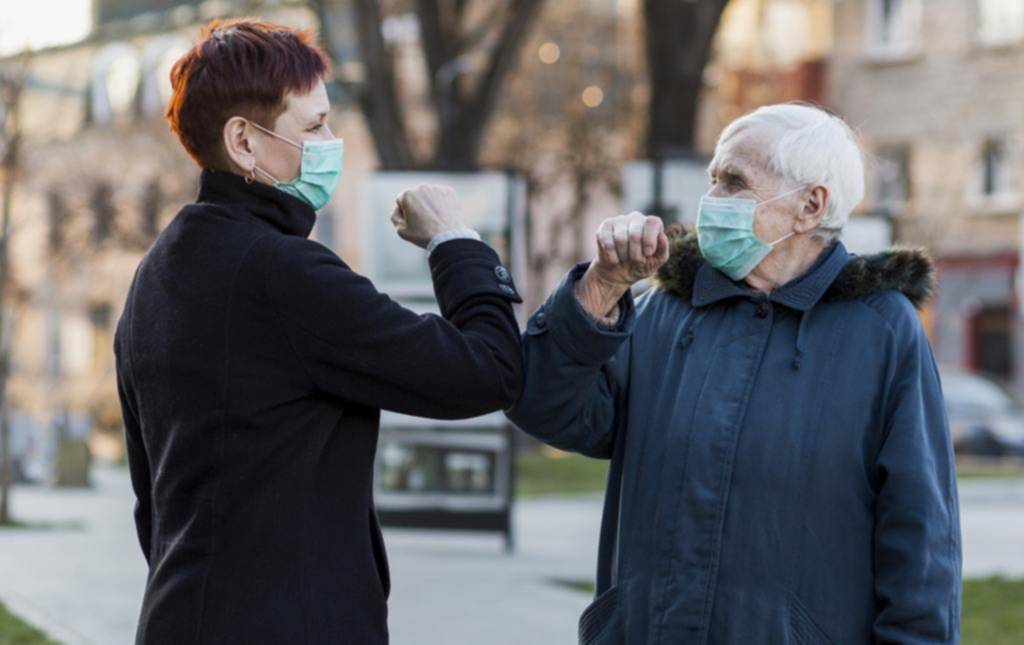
x,y
992,525
82,580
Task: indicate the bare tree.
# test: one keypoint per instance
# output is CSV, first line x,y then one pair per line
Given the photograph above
x,y
468,46
679,34
568,145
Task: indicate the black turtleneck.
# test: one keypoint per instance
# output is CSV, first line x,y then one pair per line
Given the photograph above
x,y
289,214
252,365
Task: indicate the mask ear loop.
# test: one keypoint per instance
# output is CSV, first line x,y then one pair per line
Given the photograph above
x,y
257,169
251,177
275,135
799,216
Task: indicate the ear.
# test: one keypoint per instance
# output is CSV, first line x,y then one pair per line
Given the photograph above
x,y
815,209
240,145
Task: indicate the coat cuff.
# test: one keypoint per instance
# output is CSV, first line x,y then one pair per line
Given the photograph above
x,y
465,268
575,330
449,235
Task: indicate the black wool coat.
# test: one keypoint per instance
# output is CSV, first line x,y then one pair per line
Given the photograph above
x,y
252,365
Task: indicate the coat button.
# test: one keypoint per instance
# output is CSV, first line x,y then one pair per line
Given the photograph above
x,y
507,289
762,309
503,274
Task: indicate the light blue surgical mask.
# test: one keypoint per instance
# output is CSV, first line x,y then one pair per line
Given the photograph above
x,y
320,171
725,233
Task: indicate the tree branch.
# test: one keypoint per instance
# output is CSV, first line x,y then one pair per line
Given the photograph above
x,y
377,94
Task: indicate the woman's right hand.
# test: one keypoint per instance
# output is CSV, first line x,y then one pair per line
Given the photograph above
x,y
423,212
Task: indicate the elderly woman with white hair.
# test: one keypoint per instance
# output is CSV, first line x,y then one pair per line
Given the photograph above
x,y
781,466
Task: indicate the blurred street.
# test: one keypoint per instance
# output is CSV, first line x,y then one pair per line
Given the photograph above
x,y
79,575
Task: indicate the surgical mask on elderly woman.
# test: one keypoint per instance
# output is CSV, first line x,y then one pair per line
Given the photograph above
x,y
319,174
725,233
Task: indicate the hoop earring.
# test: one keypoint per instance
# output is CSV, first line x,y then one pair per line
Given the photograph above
x,y
251,176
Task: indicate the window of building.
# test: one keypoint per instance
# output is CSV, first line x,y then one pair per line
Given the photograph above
x,y
894,28
114,85
995,168
992,187
74,350
101,203
1000,22
991,332
57,219
152,202
158,57
892,177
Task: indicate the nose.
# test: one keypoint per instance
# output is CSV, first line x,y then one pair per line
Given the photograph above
x,y
717,190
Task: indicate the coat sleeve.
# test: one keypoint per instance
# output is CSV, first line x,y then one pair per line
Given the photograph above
x,y
361,346
917,525
138,460
574,386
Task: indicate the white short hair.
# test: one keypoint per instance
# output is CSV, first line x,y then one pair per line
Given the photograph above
x,y
809,147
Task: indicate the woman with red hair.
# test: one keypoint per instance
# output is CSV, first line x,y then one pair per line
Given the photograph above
x,y
252,363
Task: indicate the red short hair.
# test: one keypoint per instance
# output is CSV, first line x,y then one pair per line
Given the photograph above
x,y
242,67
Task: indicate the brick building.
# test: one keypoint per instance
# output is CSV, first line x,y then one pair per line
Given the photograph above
x,y
937,92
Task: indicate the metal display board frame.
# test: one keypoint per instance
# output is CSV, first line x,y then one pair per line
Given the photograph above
x,y
669,188
494,203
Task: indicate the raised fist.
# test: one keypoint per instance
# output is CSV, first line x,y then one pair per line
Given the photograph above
x,y
629,248
424,211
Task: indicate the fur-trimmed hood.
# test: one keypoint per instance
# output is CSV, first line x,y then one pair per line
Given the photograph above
x,y
907,270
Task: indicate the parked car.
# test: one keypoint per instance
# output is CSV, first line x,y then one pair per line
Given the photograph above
x,y
984,419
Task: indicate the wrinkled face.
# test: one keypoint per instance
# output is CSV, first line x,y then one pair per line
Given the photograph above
x,y
304,119
740,169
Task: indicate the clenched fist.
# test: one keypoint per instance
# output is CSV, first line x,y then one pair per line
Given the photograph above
x,y
629,248
423,212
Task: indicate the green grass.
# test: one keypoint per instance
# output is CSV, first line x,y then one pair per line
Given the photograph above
x,y
584,586
993,611
549,472
14,631
44,525
990,474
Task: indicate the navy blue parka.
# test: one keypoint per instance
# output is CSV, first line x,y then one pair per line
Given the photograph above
x,y
782,470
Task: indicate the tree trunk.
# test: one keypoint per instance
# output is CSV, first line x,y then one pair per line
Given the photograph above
x,y
462,115
6,466
678,42
9,166
462,121
377,94
10,93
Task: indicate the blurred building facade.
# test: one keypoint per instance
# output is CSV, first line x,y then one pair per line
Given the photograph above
x,y
766,51
100,176
938,98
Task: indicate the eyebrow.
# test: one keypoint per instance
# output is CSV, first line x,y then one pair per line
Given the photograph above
x,y
729,170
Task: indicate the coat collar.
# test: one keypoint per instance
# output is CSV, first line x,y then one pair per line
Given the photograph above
x,y
287,213
836,275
